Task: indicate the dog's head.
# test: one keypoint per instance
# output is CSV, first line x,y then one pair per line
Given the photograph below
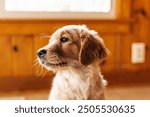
x,y
72,45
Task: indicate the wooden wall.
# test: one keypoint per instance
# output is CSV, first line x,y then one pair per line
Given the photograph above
x,y
20,39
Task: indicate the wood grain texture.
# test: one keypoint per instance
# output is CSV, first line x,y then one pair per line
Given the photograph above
x,y
30,27
5,59
109,65
141,31
22,56
126,9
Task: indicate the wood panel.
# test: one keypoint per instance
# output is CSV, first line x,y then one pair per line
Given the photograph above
x,y
22,56
29,27
126,9
142,11
5,58
125,54
109,65
123,8
148,51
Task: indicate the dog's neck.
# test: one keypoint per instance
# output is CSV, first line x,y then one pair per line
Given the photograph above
x,y
78,80
80,71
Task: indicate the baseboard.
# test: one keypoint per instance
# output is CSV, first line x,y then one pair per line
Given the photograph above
x,y
123,77
30,83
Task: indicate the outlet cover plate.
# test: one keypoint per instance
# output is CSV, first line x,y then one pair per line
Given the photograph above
x,y
138,52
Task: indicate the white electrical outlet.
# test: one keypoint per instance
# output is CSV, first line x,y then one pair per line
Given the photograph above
x,y
138,52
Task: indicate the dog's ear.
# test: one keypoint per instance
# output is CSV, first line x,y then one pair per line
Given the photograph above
x,y
92,47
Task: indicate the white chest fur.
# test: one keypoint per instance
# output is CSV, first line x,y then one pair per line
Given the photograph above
x,y
72,84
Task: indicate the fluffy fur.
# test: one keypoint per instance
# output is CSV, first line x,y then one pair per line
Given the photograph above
x,y
74,54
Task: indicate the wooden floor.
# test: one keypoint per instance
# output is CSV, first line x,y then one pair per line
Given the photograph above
x,y
120,92
129,92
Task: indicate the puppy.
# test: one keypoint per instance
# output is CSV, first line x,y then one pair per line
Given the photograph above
x,y
74,53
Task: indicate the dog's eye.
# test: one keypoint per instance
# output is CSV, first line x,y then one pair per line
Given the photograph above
x,y
63,39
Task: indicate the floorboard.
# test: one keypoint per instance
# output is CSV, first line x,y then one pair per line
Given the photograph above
x,y
115,92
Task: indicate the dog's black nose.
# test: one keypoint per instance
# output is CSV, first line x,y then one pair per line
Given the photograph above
x,y
41,52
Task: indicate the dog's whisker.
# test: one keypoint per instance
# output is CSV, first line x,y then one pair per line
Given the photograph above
x,y
45,73
38,68
41,71
44,35
35,64
36,59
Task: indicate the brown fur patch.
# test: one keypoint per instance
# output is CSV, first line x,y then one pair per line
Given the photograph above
x,y
92,48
